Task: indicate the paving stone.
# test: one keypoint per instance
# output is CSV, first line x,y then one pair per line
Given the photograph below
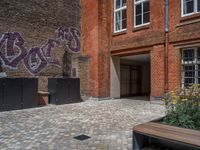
x,y
109,123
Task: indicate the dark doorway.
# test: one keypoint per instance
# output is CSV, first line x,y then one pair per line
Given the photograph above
x,y
130,78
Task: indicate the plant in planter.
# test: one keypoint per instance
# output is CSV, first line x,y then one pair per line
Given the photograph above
x,y
183,108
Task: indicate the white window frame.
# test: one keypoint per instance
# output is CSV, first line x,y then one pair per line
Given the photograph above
x,y
189,14
118,10
195,62
135,3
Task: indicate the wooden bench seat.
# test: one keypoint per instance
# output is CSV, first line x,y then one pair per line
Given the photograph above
x,y
165,132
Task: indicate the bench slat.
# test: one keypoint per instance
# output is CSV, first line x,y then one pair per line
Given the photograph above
x,y
183,135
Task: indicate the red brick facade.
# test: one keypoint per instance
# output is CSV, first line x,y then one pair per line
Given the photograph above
x,y
100,43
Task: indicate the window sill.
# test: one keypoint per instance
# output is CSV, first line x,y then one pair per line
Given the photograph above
x,y
190,17
118,33
188,22
141,28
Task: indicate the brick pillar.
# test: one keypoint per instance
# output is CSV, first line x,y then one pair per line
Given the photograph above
x,y
157,71
104,51
174,73
83,75
95,41
90,41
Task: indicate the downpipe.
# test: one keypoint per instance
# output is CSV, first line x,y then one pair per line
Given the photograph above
x,y
166,87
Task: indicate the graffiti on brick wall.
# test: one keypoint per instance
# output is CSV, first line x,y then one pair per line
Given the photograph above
x,y
13,50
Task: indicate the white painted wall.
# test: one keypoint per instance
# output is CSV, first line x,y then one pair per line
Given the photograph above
x,y
115,77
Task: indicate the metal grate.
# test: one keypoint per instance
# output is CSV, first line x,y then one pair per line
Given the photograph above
x,y
82,137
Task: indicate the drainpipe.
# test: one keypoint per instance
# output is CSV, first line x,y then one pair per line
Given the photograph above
x,y
166,43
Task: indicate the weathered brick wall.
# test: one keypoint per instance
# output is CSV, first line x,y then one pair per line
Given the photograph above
x,y
27,26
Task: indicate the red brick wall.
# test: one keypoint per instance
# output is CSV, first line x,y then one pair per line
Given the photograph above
x,y
99,38
183,32
174,68
157,71
140,37
182,29
148,39
104,53
95,29
90,41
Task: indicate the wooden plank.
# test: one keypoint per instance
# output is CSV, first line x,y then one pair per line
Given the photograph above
x,y
177,129
183,135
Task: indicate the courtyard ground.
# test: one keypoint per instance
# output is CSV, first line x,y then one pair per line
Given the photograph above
x,y
108,123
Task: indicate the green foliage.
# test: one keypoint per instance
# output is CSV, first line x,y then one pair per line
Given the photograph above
x,y
183,108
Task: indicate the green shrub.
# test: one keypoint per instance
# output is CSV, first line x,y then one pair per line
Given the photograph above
x,y
183,108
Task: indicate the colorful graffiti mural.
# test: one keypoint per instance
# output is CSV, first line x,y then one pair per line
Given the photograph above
x,y
13,50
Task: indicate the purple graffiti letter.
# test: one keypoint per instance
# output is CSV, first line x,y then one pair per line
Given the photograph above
x,y
35,61
12,49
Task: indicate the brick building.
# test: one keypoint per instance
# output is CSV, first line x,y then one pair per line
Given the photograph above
x,y
129,47
140,47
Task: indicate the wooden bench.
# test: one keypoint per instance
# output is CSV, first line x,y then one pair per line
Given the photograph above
x,y
169,136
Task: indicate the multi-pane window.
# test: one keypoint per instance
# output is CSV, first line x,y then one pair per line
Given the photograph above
x,y
119,15
141,12
190,66
190,7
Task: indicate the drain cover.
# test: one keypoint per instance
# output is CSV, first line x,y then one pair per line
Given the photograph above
x,y
82,137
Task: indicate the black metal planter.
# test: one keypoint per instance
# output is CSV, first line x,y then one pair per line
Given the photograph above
x,y
18,93
64,90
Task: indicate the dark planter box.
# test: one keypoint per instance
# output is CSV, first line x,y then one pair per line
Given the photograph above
x,y
18,93
64,90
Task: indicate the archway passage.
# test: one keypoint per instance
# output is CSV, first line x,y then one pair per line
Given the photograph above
x,y
131,76
130,80
135,75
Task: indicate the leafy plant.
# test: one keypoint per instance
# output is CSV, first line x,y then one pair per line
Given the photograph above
x,y
183,107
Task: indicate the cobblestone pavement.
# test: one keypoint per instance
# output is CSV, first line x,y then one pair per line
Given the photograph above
x,y
109,123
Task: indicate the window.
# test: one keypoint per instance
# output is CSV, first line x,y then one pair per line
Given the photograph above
x,y
119,15
141,12
198,5
190,66
190,7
